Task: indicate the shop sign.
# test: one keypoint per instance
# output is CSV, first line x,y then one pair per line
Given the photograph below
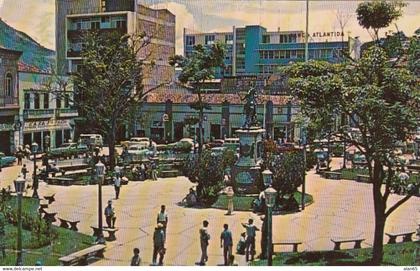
x,y
46,125
6,126
328,34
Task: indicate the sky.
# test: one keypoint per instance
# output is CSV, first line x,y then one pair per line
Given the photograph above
x,y
36,17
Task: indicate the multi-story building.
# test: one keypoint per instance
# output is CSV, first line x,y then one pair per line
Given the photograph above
x,y
252,50
9,105
75,17
45,110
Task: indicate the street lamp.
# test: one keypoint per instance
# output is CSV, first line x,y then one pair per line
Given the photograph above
x,y
270,199
47,142
34,148
19,187
267,177
100,171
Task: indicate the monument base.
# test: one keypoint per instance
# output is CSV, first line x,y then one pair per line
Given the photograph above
x,y
246,179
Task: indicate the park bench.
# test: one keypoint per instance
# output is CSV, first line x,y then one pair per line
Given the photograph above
x,y
50,198
363,178
393,236
60,180
338,241
81,257
69,223
111,232
294,243
332,175
49,216
413,168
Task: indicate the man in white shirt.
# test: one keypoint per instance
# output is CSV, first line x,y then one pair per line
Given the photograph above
x,y
162,217
117,186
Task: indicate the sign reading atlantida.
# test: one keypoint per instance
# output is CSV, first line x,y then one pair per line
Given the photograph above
x,y
328,34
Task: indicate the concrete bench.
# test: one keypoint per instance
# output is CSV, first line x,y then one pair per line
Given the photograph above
x,y
111,232
332,175
363,178
338,241
81,257
50,198
69,223
60,180
295,244
393,236
413,168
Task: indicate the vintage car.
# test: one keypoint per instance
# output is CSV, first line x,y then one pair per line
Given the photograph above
x,y
6,160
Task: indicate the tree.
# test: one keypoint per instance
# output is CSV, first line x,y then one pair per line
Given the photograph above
x,y
381,101
108,86
196,69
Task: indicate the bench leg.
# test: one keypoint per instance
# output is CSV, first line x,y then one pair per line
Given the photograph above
x,y
337,245
96,232
407,238
100,253
84,261
64,224
111,236
295,247
74,227
392,239
358,244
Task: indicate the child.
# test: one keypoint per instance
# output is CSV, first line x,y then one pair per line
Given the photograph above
x,y
240,248
136,260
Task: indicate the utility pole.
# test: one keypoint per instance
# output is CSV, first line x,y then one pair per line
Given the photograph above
x,y
307,32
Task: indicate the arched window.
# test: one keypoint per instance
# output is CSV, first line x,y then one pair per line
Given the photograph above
x,y
9,85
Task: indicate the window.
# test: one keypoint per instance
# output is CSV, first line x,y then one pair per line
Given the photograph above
x,y
292,38
293,54
229,39
104,19
103,5
46,101
270,54
300,53
266,39
27,98
282,54
9,85
58,102
122,24
36,100
95,25
287,54
276,54
190,40
209,39
66,101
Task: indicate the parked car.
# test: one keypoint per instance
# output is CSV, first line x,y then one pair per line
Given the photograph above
x,y
91,140
218,150
6,160
138,152
359,160
69,150
137,141
231,143
215,143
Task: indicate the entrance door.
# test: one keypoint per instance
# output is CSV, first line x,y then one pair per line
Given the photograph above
x,y
215,131
58,138
5,142
178,130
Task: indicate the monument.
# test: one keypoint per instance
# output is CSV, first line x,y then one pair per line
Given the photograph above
x,y
247,171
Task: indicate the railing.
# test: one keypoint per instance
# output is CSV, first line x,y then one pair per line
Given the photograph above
x,y
38,113
67,112
9,101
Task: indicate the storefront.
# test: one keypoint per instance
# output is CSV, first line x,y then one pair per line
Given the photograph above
x,y
9,135
59,131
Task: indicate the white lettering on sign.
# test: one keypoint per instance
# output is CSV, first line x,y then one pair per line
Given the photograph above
x,y
6,126
328,34
30,126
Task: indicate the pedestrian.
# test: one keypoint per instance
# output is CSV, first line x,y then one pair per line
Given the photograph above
x,y
143,171
240,247
226,243
251,230
19,156
110,215
154,171
158,244
117,170
136,260
204,242
264,232
162,217
230,195
27,151
117,186
24,171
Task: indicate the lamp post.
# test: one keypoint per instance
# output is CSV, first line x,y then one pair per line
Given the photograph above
x,y
267,177
270,199
19,187
34,148
100,171
47,142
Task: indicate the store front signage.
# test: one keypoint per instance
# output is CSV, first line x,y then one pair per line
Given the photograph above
x,y
6,126
328,34
31,126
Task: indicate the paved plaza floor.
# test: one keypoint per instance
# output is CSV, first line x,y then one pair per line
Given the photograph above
x,y
341,208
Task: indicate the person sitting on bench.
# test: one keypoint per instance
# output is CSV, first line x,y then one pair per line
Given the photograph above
x,y
110,215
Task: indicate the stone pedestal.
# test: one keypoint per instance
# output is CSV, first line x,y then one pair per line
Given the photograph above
x,y
246,171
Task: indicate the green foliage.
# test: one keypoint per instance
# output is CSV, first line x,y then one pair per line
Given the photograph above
x,y
240,203
378,13
207,170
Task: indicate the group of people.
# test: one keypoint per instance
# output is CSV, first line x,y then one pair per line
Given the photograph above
x,y
143,171
22,152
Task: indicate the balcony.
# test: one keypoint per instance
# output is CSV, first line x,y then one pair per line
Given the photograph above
x,y
9,102
66,113
38,113
78,34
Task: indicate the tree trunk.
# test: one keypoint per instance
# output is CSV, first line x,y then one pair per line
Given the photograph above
x,y
111,145
379,207
200,131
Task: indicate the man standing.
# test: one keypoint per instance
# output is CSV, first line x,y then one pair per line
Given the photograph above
x,y
154,171
158,244
226,243
250,238
110,215
117,186
204,242
162,217
136,260
24,171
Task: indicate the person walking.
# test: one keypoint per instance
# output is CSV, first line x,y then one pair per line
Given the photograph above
x,y
117,186
158,244
226,243
251,230
162,217
142,172
154,171
136,260
110,215
24,171
204,242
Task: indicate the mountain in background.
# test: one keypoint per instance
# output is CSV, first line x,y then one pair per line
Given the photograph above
x,y
35,57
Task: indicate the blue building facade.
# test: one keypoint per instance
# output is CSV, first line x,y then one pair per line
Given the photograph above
x,y
252,50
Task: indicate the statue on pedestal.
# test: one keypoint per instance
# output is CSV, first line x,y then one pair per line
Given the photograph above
x,y
250,108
